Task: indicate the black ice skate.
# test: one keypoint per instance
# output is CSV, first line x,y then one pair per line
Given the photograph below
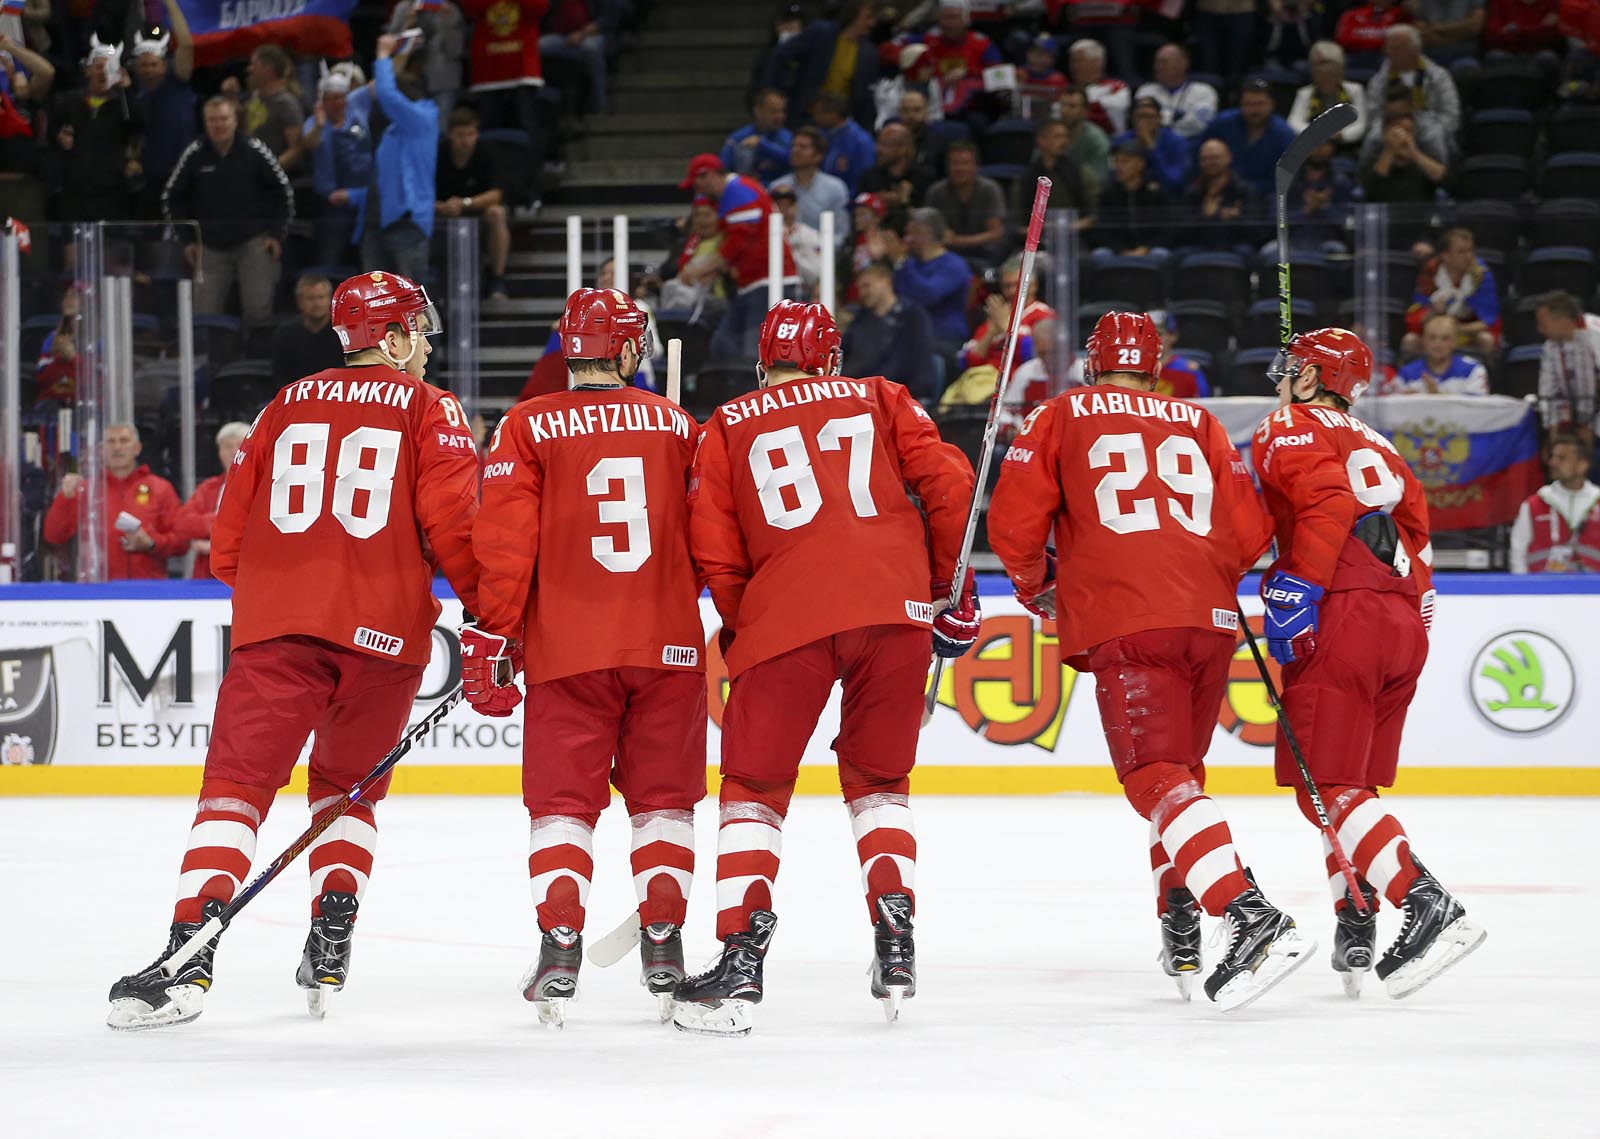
x,y
894,961
553,980
1355,939
720,1001
151,999
1264,947
326,961
1180,940
661,962
1434,936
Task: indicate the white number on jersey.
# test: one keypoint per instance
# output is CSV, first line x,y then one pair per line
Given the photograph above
x,y
856,431
1179,464
1376,486
628,510
350,476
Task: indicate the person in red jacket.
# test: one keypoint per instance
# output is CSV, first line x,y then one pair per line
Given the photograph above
x,y
196,516
1361,29
1523,27
1349,601
797,485
131,492
505,73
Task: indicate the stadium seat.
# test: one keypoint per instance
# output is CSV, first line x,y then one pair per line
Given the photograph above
x,y
1575,175
1495,176
1572,127
1494,225
1260,328
1309,277
1519,325
1247,375
1399,275
1519,374
1133,282
1520,83
952,130
241,389
1565,267
1213,276
1393,316
1008,142
34,331
219,338
1203,326
1504,130
1565,221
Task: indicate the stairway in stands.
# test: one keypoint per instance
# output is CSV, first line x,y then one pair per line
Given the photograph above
x,y
678,92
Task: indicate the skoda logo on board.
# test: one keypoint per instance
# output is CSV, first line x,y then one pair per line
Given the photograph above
x,y
1522,682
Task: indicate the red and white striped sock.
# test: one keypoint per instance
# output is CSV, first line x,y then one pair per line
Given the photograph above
x,y
1196,837
886,844
749,848
1162,870
341,858
1373,840
560,867
662,858
222,843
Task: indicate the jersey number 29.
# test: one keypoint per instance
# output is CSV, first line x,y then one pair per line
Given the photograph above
x,y
1180,465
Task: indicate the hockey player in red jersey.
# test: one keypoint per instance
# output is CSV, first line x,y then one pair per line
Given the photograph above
x,y
1349,603
822,570
350,487
1155,519
583,539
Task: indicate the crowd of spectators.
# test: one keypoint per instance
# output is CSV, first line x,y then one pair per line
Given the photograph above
x,y
1160,127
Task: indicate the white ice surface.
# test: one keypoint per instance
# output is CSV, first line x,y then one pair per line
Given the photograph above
x,y
1040,1011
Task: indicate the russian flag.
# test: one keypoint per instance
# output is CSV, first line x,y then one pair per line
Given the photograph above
x,y
1477,457
12,7
232,29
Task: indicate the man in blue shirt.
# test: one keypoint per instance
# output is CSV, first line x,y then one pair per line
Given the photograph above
x,y
339,139
928,275
1165,149
398,221
1255,135
761,149
851,151
167,100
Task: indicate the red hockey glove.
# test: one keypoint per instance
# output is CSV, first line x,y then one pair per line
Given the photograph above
x,y
489,667
1043,603
955,630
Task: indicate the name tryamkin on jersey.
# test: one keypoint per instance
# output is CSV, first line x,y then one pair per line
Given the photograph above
x,y
1127,403
794,394
352,391
595,418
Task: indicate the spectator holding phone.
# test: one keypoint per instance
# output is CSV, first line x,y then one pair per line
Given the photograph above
x,y
140,510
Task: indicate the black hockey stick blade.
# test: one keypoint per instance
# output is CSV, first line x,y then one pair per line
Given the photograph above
x,y
1318,131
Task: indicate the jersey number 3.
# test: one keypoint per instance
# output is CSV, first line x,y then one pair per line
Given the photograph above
x,y
1179,465
299,463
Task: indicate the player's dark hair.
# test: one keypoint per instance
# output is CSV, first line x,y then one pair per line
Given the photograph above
x,y
593,367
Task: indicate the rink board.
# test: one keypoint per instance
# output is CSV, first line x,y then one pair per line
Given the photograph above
x,y
108,690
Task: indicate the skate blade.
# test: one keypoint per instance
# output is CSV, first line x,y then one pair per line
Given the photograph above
x,y
131,1014
1352,979
1286,954
319,998
1457,940
723,1018
552,1012
664,1004
896,996
1185,980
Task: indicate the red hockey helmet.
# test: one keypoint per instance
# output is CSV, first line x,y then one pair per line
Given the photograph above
x,y
366,305
597,322
1123,342
802,336
1344,363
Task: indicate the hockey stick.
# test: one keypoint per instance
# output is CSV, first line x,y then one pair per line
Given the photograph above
x,y
214,928
1320,130
675,370
1041,199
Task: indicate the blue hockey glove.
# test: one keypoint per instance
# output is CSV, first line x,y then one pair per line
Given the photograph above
x,y
1291,616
